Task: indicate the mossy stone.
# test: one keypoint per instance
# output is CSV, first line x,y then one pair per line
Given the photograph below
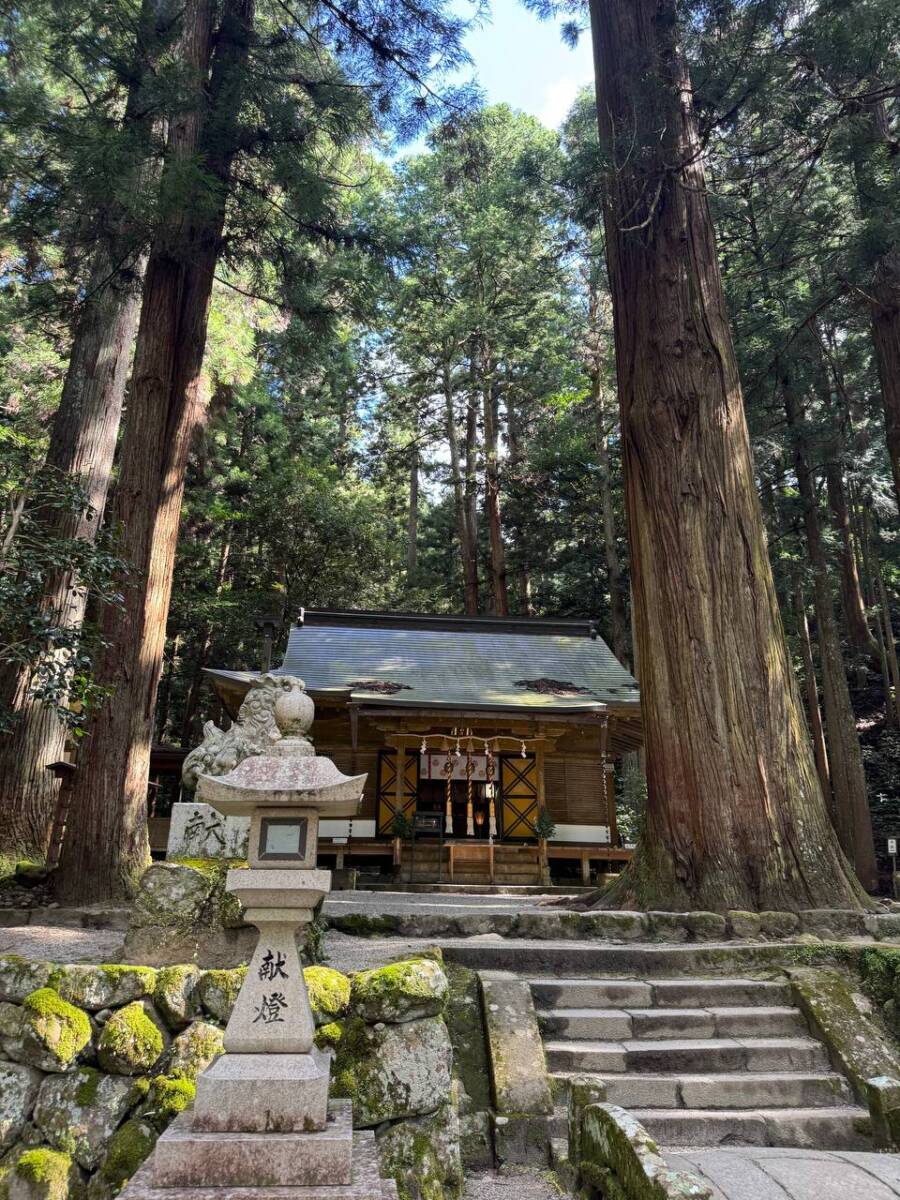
x,y
79,1112
667,927
393,1071
328,1036
109,985
422,1154
829,1001
176,995
743,924
779,924
43,1174
401,991
194,1050
171,894
166,1098
218,991
54,1032
19,977
18,1089
132,1040
329,993
466,1028
129,1147
705,926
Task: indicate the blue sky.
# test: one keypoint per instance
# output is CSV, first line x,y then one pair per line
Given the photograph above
x,y
523,61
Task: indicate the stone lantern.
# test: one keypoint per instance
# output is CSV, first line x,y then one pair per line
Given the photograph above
x,y
262,1119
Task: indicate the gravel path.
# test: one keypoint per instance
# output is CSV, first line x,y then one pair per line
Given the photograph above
x,y
512,1183
60,943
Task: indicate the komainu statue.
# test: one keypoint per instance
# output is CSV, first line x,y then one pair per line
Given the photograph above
x,y
253,732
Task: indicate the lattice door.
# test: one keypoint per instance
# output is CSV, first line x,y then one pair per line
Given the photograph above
x,y
518,796
387,788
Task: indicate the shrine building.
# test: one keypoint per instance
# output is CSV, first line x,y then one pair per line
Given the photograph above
x,y
493,739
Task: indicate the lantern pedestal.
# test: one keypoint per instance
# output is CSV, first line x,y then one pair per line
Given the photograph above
x,y
262,1122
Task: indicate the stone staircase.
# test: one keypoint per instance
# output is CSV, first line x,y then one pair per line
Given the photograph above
x,y
701,1061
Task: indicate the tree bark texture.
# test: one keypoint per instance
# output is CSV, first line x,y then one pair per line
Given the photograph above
x,y
471,500
514,438
618,618
468,554
106,844
82,446
848,781
875,152
853,609
814,713
735,815
412,518
491,418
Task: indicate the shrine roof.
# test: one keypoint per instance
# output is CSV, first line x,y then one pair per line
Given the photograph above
x,y
422,661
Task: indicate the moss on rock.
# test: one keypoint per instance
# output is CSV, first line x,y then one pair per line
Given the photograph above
x,y
422,1155
19,977
218,991
176,995
194,1050
329,993
54,1032
393,1071
328,1036
129,1147
837,1012
402,991
132,1040
466,1027
166,1098
79,1112
43,1174
109,985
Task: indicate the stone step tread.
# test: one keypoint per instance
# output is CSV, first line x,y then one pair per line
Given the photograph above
x,y
855,1111
716,1090
663,994
657,1045
841,1128
712,1076
761,1010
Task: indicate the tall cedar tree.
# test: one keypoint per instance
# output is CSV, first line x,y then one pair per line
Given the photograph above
x,y
106,844
82,445
735,813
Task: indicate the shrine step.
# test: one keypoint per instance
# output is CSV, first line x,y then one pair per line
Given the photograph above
x,y
652,1023
691,1055
664,993
845,1128
737,1090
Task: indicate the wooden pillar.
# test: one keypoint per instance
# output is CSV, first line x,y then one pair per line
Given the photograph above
x,y
611,801
544,863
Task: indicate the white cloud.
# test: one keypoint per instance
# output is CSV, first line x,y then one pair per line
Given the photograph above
x,y
558,98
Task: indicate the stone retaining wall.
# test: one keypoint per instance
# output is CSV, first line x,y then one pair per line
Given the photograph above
x,y
601,925
95,1061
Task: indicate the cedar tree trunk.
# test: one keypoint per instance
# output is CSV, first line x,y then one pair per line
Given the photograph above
x,y
735,812
853,606
492,489
467,554
848,781
106,844
82,445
